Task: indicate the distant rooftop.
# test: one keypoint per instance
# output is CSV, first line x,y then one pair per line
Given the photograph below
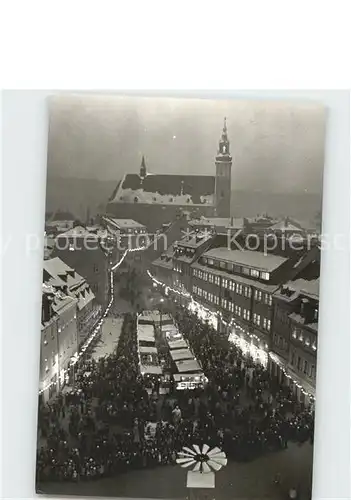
x,y
123,223
249,258
165,189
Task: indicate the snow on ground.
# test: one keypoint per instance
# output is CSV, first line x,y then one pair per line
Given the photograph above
x,y
111,330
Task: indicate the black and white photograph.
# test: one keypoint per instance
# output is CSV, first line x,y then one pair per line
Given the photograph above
x,y
180,297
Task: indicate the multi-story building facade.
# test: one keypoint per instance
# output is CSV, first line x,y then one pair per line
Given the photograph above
x,y
59,339
266,302
89,253
65,279
294,342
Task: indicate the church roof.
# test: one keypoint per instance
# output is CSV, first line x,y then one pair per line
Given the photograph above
x,y
165,189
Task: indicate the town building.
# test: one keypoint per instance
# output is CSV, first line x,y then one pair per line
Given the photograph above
x,y
59,337
155,199
123,226
89,253
66,280
294,342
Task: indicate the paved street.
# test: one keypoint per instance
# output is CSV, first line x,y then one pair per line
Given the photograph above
x,y
110,332
252,480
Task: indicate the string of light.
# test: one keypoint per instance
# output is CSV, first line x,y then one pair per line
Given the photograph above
x,y
96,330
245,346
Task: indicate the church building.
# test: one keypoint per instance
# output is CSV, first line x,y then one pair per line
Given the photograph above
x,y
156,199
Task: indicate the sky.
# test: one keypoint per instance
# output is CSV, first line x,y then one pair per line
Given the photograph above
x,y
277,146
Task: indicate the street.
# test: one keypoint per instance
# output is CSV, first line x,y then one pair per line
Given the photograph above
x,y
110,332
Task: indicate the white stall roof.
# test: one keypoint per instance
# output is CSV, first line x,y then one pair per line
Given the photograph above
x,y
151,316
147,350
152,370
188,365
169,328
180,354
146,332
177,344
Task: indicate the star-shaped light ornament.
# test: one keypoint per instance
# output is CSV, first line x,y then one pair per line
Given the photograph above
x,y
202,460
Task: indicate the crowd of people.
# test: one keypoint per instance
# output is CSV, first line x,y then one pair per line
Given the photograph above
x,y
111,423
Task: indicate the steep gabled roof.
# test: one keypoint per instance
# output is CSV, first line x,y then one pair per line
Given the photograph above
x,y
165,189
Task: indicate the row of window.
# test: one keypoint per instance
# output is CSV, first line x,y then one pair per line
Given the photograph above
x,y
238,288
303,366
206,295
234,268
262,321
303,337
266,298
177,267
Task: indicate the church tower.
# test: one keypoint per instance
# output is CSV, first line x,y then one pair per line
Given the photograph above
x,y
223,175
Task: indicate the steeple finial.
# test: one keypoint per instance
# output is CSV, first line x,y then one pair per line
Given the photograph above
x,y
225,125
143,167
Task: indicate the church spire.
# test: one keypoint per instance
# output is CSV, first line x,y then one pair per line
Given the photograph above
x,y
224,141
143,168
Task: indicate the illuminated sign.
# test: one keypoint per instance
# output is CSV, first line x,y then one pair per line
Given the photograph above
x,y
183,386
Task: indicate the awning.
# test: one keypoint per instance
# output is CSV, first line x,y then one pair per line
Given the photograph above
x,y
179,354
150,370
147,350
177,344
190,365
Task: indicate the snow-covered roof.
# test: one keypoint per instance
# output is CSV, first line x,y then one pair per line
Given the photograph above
x,y
194,240
146,332
165,189
177,344
150,316
179,354
249,258
57,274
152,370
188,365
147,350
305,287
222,222
123,223
286,225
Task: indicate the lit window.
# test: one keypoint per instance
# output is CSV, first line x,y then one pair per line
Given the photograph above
x,y
210,278
315,314
205,276
246,270
225,283
265,276
307,341
254,273
314,346
294,333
